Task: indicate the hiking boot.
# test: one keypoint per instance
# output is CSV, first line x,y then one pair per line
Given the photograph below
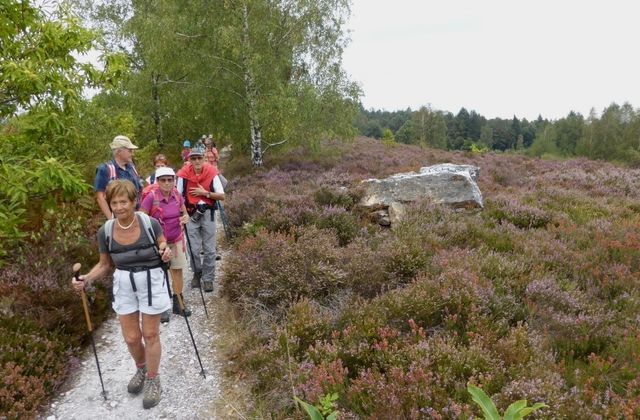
x,y
165,316
152,392
176,306
195,280
208,285
137,382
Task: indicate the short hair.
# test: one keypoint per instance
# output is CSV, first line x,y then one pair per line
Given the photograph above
x,y
160,158
120,187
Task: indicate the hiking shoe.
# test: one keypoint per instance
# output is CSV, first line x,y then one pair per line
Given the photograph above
x,y
195,280
137,382
176,306
152,392
165,316
208,285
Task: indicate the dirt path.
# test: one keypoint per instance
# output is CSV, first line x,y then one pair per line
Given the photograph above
x,y
186,394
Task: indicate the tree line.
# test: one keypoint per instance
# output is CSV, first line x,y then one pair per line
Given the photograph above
x,y
613,134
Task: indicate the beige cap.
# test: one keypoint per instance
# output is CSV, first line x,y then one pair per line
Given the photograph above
x,y
122,142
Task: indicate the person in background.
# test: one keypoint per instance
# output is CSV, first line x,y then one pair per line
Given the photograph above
x,y
166,204
200,143
139,283
120,167
200,184
211,154
186,148
160,161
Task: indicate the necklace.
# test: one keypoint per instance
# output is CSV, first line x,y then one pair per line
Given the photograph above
x,y
126,227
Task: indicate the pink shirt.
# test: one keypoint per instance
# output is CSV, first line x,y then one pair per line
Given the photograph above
x,y
167,213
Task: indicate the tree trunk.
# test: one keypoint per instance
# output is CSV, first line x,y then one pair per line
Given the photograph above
x,y
250,89
156,110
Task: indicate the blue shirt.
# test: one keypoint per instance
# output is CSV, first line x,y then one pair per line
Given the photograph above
x,y
102,176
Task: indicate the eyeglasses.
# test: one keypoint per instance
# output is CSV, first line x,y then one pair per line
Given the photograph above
x,y
196,158
165,179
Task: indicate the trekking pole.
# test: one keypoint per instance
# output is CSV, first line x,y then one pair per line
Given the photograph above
x,y
186,319
85,305
194,266
225,221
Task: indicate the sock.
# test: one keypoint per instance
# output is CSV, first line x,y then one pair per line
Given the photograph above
x,y
140,365
152,375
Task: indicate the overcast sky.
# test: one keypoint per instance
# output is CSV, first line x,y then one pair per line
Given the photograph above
x,y
497,57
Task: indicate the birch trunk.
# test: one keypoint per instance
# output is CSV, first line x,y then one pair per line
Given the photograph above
x,y
250,89
156,110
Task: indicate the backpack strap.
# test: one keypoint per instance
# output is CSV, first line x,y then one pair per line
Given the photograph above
x,y
146,226
108,232
112,171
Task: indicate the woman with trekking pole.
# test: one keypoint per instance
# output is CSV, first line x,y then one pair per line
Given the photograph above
x,y
135,244
164,203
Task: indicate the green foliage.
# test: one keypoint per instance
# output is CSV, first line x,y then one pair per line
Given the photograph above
x,y
271,68
30,186
515,411
316,413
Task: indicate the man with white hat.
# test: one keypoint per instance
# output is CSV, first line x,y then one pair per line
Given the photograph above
x,y
120,167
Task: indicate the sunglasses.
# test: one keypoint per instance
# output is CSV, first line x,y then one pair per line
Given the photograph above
x,y
196,158
165,179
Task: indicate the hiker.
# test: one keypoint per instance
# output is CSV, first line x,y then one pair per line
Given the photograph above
x,y
211,154
166,204
186,148
135,244
160,161
120,167
200,184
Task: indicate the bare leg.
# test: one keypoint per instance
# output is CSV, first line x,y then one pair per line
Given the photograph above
x,y
151,334
130,325
176,277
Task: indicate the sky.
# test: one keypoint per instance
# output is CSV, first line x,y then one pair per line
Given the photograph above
x,y
500,58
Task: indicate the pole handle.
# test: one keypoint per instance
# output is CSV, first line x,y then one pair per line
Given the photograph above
x,y
85,303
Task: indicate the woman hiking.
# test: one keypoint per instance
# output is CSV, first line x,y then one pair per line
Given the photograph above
x,y
135,244
166,204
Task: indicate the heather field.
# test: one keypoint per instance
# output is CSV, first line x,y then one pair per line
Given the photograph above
x,y
534,297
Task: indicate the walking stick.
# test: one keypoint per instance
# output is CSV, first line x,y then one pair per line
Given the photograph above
x,y
225,221
85,305
194,266
186,319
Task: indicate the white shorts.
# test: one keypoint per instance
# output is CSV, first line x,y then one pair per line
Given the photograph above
x,y
127,301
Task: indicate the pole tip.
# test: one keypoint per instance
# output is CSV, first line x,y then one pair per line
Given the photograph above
x,y
76,267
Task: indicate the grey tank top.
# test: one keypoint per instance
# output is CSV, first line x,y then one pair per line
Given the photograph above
x,y
137,254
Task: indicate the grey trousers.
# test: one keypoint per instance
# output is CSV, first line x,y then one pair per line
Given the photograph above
x,y
202,237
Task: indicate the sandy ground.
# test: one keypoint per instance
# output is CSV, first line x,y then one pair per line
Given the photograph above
x,y
186,394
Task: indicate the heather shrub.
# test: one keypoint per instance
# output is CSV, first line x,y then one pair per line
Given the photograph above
x,y
576,324
345,225
364,266
276,269
533,297
33,364
325,196
519,215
